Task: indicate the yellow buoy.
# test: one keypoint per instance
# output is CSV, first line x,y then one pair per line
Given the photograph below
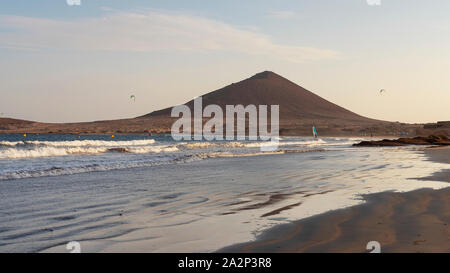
x,y
112,136
24,135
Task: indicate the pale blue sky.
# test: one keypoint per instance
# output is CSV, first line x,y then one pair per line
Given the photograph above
x,y
61,63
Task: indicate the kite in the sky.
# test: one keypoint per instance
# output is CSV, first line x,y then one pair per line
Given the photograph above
x,y
382,91
133,97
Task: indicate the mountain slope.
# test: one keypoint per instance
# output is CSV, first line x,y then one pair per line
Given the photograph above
x,y
268,88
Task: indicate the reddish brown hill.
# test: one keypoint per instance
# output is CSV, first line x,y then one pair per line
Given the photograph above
x,y
9,123
268,88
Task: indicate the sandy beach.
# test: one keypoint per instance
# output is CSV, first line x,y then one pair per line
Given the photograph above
x,y
153,194
417,221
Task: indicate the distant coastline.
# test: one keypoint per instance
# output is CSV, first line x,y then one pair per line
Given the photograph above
x,y
162,125
300,109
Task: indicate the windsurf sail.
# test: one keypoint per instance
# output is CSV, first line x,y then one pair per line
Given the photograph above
x,y
315,134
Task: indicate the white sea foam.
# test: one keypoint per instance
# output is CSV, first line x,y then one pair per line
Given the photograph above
x,y
80,143
153,149
12,153
67,170
255,144
33,149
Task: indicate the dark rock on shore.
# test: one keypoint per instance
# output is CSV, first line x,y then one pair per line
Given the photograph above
x,y
430,140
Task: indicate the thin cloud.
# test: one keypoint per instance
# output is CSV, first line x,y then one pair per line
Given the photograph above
x,y
281,14
146,32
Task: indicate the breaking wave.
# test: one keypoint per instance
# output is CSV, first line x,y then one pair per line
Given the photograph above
x,y
246,144
27,159
34,149
57,171
78,143
59,150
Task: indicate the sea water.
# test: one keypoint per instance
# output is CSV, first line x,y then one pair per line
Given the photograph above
x,y
152,194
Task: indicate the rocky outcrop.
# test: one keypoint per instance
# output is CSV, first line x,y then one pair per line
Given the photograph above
x,y
430,140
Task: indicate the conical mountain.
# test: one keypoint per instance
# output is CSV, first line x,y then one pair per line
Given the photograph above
x,y
269,88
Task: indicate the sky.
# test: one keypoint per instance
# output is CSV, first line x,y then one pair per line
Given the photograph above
x,y
71,63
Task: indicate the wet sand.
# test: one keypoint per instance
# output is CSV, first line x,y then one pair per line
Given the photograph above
x,y
417,221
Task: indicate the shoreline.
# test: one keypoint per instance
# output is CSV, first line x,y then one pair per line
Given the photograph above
x,y
169,132
417,221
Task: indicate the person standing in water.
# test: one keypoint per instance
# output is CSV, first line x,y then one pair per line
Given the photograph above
x,y
315,132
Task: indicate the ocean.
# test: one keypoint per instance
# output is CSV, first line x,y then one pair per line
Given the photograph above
x,y
136,193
